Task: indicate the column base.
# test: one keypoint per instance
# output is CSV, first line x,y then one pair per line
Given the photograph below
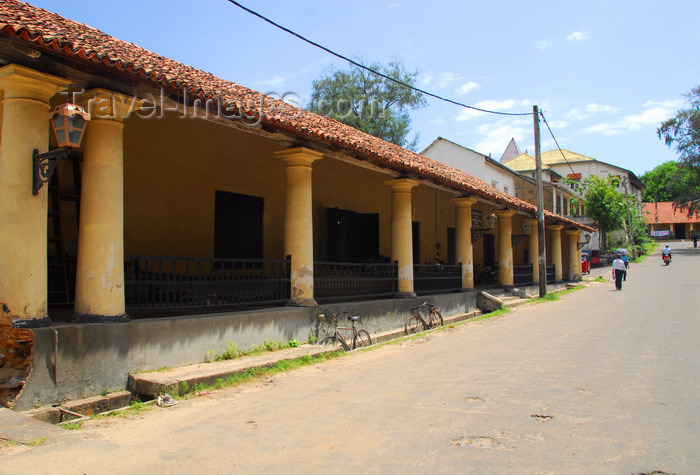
x,y
42,322
465,289
405,295
91,318
302,303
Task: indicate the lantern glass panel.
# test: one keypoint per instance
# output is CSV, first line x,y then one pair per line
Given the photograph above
x,y
74,136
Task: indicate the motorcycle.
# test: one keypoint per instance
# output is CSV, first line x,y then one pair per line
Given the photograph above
x,y
667,258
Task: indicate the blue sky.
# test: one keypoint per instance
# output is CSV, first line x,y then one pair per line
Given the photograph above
x,y
605,73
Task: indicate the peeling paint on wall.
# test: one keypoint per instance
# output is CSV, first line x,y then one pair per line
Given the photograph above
x,y
15,358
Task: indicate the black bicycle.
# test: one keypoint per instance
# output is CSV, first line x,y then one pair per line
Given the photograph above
x,y
359,338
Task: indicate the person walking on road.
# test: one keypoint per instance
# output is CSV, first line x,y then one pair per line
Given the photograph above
x,y
625,258
619,271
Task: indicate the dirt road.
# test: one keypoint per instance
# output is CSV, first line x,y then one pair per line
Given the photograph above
x,y
598,382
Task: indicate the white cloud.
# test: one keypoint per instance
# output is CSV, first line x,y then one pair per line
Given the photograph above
x,y
509,105
274,81
543,45
590,110
577,36
651,117
496,137
439,80
467,87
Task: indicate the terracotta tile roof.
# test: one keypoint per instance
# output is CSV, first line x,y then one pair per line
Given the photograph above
x,y
65,37
666,214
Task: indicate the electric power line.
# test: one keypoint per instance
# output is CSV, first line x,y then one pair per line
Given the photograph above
x,y
359,65
574,174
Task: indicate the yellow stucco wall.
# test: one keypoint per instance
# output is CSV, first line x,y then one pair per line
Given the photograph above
x,y
172,168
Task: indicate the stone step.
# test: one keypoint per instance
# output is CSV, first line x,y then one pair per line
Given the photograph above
x,y
514,302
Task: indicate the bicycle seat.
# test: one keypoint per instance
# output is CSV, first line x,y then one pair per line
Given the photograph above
x,y
429,305
354,318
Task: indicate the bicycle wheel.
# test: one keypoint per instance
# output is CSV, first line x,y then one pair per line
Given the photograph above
x,y
413,324
362,339
334,341
437,319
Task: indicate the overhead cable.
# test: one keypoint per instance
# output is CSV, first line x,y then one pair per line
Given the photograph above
x,y
373,71
575,175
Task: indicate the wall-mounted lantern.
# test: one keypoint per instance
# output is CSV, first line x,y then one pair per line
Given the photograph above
x,y
527,227
68,123
491,220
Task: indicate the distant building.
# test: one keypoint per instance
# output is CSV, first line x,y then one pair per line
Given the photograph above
x,y
665,222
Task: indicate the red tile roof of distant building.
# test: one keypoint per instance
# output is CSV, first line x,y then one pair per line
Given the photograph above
x,y
663,213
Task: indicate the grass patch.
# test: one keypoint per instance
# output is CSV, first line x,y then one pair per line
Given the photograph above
x,y
553,296
251,374
495,313
599,279
648,249
73,425
232,352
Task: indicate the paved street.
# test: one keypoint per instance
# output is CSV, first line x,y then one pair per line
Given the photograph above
x,y
599,382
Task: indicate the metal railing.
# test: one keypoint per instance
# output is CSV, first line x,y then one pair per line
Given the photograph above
x,y
550,274
354,280
169,283
523,275
436,277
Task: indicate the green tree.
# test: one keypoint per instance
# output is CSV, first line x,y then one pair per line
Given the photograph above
x,y
671,181
604,204
682,132
639,224
369,102
656,181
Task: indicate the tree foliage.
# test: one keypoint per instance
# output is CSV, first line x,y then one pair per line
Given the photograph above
x,y
656,181
368,102
671,181
603,203
682,132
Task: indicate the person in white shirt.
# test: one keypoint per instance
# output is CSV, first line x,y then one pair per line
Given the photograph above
x,y
618,270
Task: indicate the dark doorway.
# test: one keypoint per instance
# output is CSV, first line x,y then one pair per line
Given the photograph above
x,y
352,236
451,246
489,250
416,242
679,231
238,226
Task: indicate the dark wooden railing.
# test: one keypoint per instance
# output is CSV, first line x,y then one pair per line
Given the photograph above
x,y
550,274
522,275
350,280
172,283
435,278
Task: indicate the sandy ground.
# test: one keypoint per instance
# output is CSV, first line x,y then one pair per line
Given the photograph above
x,y
599,382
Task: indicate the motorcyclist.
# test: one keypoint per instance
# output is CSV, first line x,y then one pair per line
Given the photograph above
x,y
666,251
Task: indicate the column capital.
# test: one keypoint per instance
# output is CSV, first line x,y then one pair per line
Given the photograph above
x,y
531,220
573,232
464,201
555,227
19,82
299,156
505,213
402,184
103,104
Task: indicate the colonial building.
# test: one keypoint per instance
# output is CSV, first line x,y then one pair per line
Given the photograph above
x,y
666,222
197,211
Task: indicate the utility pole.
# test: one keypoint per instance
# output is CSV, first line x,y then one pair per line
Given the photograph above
x,y
629,219
540,206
